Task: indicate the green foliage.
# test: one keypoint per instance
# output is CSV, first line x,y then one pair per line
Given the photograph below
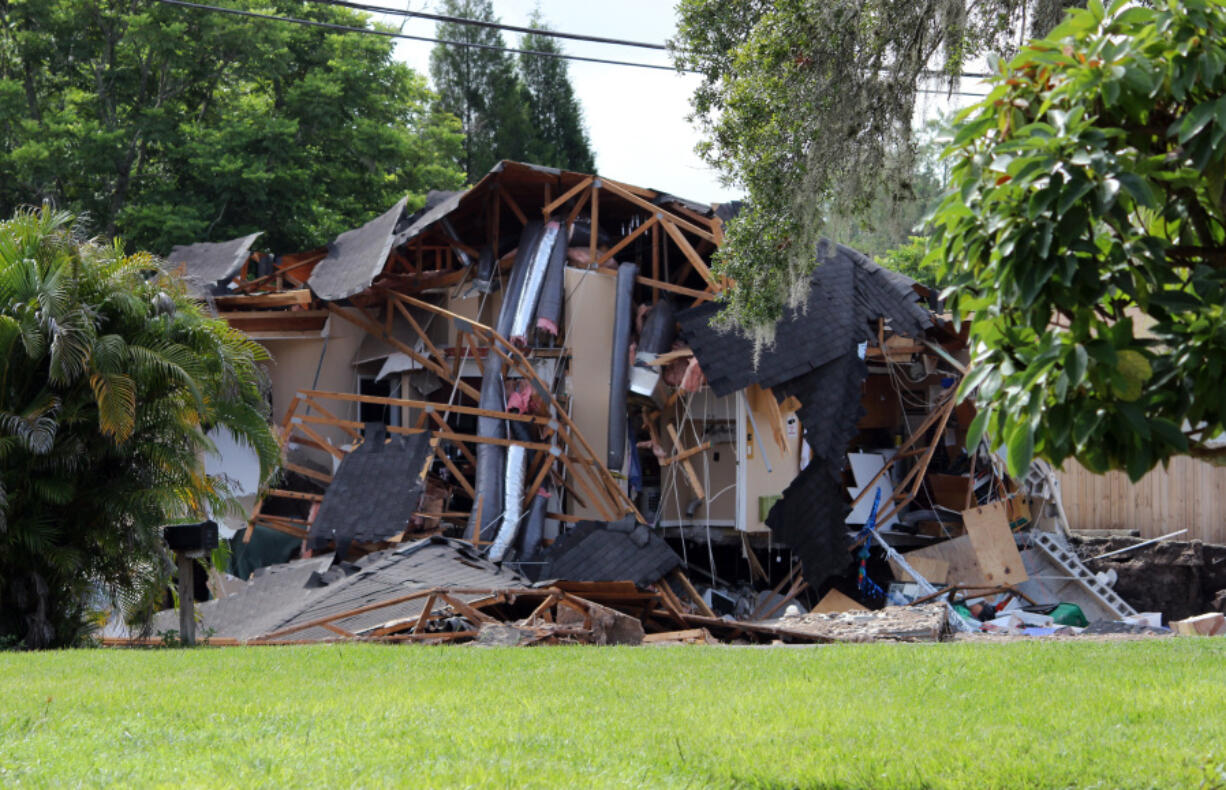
x,y
1085,235
893,227
168,125
809,106
110,378
911,259
529,114
482,89
557,119
1080,714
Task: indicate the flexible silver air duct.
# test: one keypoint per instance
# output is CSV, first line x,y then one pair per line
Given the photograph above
x,y
623,311
526,306
534,529
512,507
549,308
488,501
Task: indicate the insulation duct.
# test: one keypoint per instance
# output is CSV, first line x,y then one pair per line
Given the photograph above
x,y
491,457
512,507
484,279
549,308
531,292
659,329
534,529
623,311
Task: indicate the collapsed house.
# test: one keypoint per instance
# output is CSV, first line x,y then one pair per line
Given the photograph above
x,y
534,367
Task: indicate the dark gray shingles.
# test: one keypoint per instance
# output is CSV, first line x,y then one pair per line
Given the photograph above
x,y
374,492
300,592
809,521
847,294
597,552
356,256
209,263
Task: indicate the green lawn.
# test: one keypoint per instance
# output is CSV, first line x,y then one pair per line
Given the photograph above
x,y
1070,714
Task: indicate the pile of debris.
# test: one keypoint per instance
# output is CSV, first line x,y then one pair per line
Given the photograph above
x,y
515,412
440,590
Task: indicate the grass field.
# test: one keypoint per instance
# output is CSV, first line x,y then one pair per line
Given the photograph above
x,y
1070,714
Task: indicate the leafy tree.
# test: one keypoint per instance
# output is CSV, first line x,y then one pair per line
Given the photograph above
x,y
803,104
168,125
110,379
911,259
557,119
481,88
887,228
1085,235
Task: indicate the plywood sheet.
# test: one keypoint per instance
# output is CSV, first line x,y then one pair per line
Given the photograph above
x,y
987,527
959,557
934,569
835,601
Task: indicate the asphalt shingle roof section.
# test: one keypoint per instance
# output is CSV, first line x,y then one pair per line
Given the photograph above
x,y
382,576
374,492
809,521
299,592
262,604
847,294
598,552
356,256
209,263
815,358
829,405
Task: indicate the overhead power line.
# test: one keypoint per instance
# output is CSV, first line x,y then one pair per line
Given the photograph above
x,y
389,34
459,20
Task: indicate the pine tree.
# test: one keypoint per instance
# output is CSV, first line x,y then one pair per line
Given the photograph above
x,y
481,87
561,140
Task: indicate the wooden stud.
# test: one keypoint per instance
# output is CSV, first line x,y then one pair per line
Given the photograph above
x,y
420,626
655,261
650,223
574,212
298,297
690,474
551,206
511,204
451,467
353,434
595,215
688,586
323,443
622,192
690,253
426,405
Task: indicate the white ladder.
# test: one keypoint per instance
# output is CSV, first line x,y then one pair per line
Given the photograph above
x,y
1081,574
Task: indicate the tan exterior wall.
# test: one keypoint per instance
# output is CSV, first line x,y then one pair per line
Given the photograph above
x,y
293,367
1190,494
590,303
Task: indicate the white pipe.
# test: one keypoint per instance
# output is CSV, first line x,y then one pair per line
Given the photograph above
x,y
532,288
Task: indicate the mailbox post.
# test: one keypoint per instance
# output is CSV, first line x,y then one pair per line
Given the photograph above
x,y
189,541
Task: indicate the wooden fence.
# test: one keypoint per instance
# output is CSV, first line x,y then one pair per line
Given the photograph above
x,y
1189,494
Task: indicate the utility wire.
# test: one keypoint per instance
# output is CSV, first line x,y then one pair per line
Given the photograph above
x,y
459,20
389,34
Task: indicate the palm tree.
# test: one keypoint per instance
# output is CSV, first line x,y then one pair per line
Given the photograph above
x,y
110,377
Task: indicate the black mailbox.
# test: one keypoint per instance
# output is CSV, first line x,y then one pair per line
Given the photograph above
x,y
191,537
